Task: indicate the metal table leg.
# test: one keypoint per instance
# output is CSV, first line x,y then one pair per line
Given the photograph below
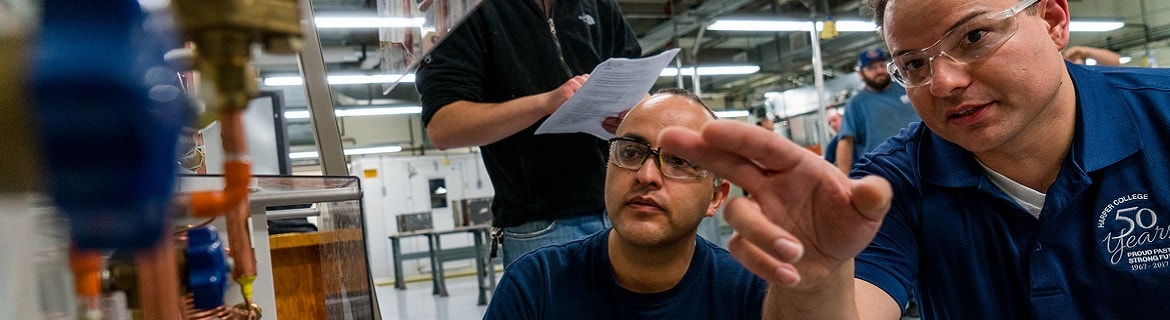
x,y
396,247
480,263
434,264
441,279
491,265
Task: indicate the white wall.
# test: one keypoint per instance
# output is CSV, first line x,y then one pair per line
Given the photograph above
x,y
395,185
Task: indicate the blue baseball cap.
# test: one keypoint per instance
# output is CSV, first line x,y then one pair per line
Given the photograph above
x,y
871,56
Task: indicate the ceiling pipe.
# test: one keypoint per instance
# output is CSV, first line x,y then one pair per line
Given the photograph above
x,y
674,41
695,84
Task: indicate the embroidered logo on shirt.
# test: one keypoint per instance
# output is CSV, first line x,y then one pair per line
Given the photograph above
x,y
1134,233
587,19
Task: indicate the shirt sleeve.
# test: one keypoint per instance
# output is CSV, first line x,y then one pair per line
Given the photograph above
x,y
890,262
851,121
454,70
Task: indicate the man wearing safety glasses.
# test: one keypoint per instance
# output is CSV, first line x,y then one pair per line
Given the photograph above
x,y
1033,189
651,264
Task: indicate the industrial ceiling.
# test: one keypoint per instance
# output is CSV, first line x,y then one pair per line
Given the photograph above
x,y
784,58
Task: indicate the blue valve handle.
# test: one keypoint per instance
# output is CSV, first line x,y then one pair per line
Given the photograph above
x,y
206,268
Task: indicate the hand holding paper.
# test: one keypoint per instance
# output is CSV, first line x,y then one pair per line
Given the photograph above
x,y
615,85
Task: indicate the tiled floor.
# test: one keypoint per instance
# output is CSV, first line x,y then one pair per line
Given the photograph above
x,y
417,303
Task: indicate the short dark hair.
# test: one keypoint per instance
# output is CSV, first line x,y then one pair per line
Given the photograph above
x,y
878,7
687,94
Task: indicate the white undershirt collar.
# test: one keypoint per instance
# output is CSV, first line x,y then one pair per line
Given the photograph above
x,y
1031,200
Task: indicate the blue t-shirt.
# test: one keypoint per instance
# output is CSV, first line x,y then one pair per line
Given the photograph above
x,y
575,280
830,152
1100,248
872,117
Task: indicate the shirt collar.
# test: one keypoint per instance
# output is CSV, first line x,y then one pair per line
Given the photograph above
x,y
1112,134
1108,138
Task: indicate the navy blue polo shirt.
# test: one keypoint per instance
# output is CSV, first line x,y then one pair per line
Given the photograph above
x,y
1100,249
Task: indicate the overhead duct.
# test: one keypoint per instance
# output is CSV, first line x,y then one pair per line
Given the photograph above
x,y
687,22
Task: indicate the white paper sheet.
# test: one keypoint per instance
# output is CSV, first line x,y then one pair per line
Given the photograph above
x,y
615,85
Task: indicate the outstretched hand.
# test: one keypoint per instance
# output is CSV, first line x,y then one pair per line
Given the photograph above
x,y
1079,55
804,220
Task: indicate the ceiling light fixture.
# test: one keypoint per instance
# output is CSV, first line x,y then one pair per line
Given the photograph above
x,y
1094,26
776,25
278,81
731,114
711,71
764,24
367,22
348,152
359,112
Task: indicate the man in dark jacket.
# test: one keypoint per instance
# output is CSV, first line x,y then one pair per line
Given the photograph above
x,y
495,79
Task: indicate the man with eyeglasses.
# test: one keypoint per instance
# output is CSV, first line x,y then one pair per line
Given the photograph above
x,y
651,264
1034,188
874,114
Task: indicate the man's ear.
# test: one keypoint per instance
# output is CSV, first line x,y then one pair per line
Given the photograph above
x,y
718,197
1055,13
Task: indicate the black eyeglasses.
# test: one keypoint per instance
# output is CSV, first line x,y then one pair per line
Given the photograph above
x,y
630,153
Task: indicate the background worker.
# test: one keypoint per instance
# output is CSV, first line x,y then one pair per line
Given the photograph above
x,y
875,113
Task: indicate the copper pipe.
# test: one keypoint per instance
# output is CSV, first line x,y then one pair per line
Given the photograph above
x,y
236,168
219,313
240,241
87,268
232,201
232,132
158,281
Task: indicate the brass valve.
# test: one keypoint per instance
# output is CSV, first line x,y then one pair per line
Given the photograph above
x,y
223,33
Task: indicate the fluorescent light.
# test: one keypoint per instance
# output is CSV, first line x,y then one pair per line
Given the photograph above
x,y
364,79
758,25
384,111
1125,60
732,24
367,22
283,81
775,25
771,94
278,81
359,112
348,152
302,155
853,26
1094,26
372,150
712,71
731,114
